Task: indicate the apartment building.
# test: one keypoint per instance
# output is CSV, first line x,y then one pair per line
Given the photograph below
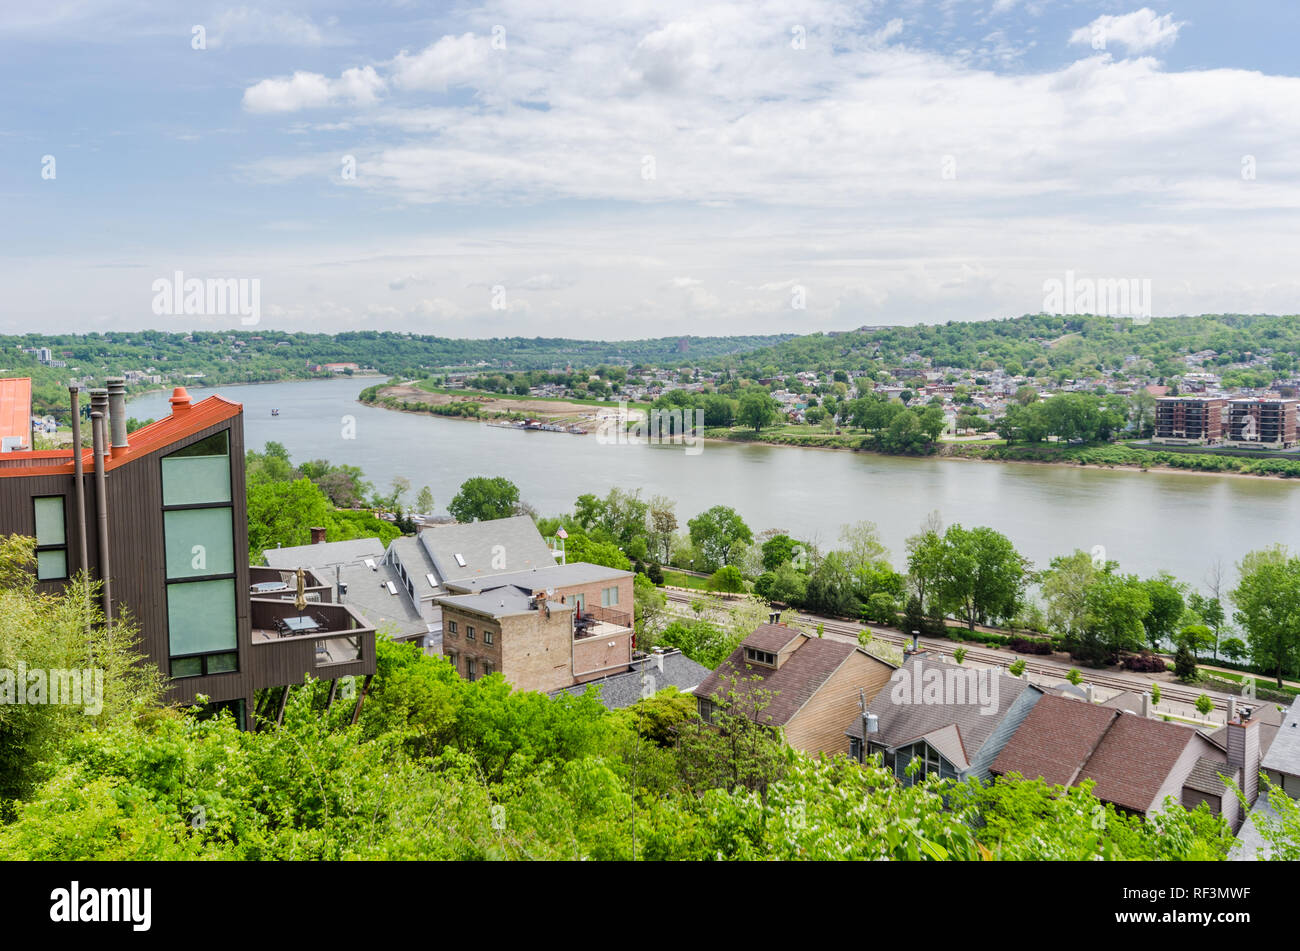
x,y
1257,423
542,629
1189,421
159,516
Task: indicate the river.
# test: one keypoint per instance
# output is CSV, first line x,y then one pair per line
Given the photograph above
x,y
1147,521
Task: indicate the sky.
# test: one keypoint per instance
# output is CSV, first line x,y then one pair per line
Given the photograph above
x,y
614,170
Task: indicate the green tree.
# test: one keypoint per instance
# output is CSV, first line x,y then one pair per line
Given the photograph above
x,y
1204,705
424,501
716,533
1268,608
727,579
983,577
757,409
1167,606
482,499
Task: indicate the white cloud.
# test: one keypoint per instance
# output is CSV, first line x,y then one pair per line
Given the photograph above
x,y
451,61
1138,32
356,86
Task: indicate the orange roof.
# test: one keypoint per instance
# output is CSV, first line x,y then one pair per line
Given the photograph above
x,y
16,409
186,419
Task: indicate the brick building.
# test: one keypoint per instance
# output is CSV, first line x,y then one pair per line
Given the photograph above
x,y
1261,423
1189,420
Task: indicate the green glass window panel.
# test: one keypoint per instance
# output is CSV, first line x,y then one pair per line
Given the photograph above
x,y
194,480
51,564
187,666
50,529
199,542
201,616
217,444
223,663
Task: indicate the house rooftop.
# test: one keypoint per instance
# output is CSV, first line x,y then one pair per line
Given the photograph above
x,y
543,576
479,549
1284,754
771,637
327,554
900,723
624,689
185,420
791,685
502,601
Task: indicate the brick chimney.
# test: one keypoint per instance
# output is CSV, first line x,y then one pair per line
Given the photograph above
x,y
1243,751
317,535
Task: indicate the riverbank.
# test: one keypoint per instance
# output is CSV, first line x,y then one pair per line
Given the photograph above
x,y
482,407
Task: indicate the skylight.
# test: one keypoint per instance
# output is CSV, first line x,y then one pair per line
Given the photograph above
x,y
460,559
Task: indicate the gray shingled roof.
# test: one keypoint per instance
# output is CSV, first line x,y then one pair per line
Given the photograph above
x,y
547,576
900,723
1204,777
514,539
393,613
624,689
326,553
1284,754
417,563
501,601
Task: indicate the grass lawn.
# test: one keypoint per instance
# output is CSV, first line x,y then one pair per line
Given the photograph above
x,y
680,579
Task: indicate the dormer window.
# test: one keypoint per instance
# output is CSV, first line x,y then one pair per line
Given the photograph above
x,y
754,656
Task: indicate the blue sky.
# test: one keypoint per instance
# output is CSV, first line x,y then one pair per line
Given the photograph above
x,y
644,168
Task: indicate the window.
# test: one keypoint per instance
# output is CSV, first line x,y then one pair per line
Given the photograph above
x,y
766,658
469,632
51,538
451,627
199,558
487,669
471,669
581,601
931,763
451,659
487,636
608,597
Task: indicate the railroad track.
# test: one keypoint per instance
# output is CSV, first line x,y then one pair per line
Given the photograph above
x,y
983,655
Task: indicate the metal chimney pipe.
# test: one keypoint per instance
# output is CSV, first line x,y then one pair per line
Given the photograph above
x,y
117,410
101,499
98,404
78,472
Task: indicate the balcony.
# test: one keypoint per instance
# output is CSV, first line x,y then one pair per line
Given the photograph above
x,y
325,640
282,585
600,622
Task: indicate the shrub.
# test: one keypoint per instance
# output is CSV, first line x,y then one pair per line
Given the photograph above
x,y
1028,645
1145,662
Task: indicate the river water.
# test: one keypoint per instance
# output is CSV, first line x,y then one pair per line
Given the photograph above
x,y
1179,522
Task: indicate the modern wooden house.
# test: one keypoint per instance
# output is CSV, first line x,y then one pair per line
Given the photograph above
x,y
160,517
808,687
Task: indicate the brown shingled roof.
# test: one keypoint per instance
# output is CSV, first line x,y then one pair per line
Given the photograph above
x,y
791,685
1128,757
1134,759
1055,740
771,637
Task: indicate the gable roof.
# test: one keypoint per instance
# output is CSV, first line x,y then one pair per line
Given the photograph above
x,y
1135,758
900,723
486,548
1284,753
1127,756
354,550
791,685
771,637
624,689
1055,740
